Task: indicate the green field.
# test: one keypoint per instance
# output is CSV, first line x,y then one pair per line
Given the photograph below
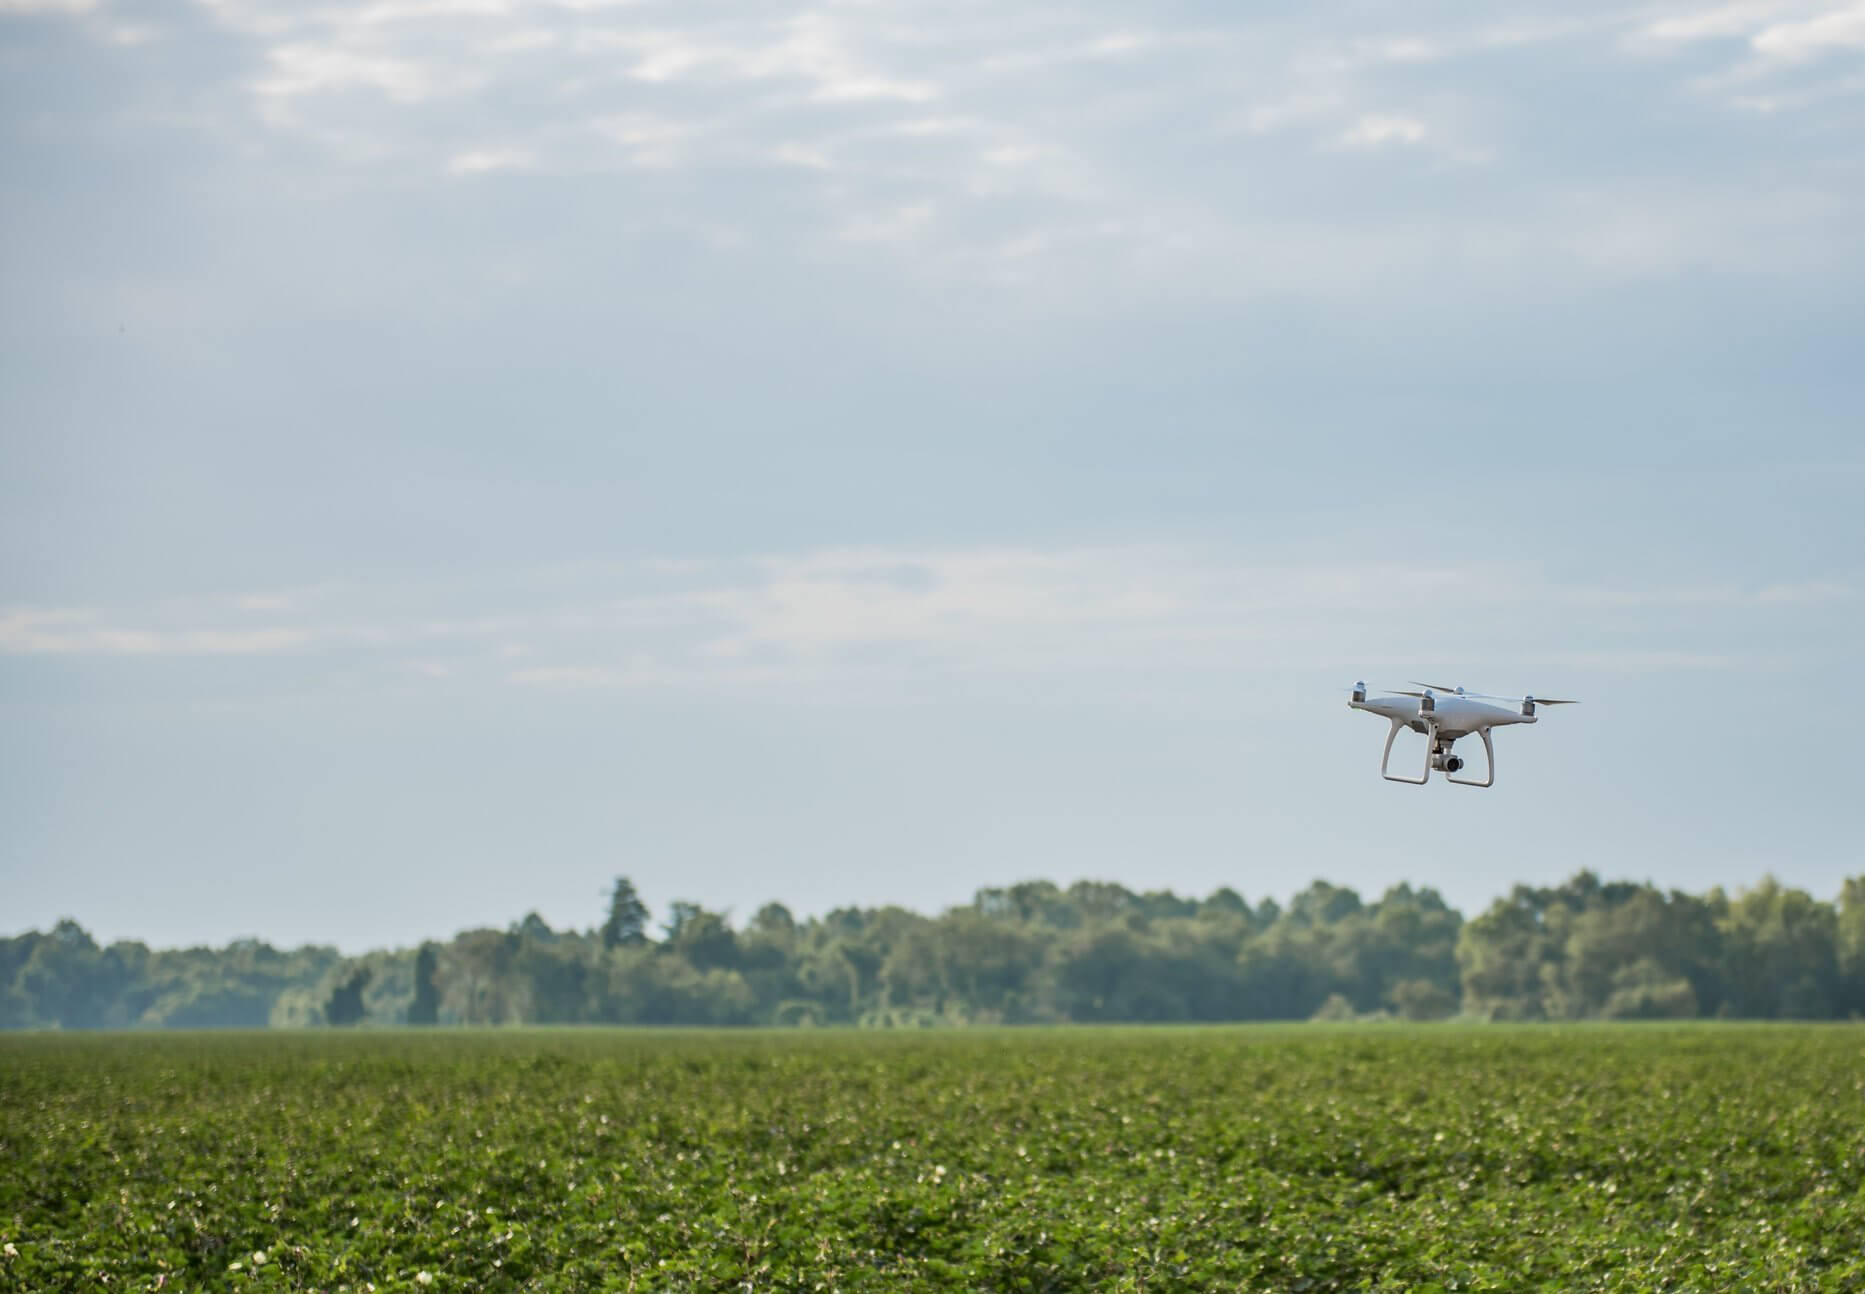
x,y
1285,1158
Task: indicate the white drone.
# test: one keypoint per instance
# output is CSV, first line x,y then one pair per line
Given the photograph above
x,y
1444,714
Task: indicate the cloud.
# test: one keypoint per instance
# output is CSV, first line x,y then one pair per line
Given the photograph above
x,y
299,70
1781,42
1839,30
647,140
485,161
1377,130
1720,22
1782,29
66,632
903,224
1066,157
833,616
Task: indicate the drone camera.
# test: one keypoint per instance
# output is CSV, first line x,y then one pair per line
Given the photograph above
x,y
1453,764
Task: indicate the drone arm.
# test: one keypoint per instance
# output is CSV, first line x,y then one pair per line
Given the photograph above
x,y
1431,741
1489,756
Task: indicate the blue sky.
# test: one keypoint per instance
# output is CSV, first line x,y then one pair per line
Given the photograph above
x,y
461,450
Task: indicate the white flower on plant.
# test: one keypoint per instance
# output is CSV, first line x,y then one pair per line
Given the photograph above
x,y
10,1251
424,1278
259,1258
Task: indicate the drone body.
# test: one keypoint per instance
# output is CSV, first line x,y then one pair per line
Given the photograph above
x,y
1443,715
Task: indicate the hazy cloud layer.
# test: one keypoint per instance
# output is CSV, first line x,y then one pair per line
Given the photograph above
x,y
1080,150
842,616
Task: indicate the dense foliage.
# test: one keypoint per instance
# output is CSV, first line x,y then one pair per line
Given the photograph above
x,y
1024,954
1372,1157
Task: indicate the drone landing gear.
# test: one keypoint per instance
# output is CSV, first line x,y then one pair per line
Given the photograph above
x,y
1431,746
1489,760
1438,755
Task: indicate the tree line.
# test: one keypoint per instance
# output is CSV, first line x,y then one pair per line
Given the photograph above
x,y
1030,953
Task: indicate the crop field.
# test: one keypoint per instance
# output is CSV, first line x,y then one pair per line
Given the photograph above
x,y
1268,1158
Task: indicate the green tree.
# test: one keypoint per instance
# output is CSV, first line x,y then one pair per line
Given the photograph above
x,y
345,1006
1781,952
425,1009
1850,933
703,938
627,925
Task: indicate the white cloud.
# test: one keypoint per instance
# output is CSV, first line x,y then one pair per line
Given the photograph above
x,y
896,613
1721,22
1768,102
1782,40
1377,130
1067,155
903,224
1841,29
647,140
306,69
66,632
487,160
1298,109
802,155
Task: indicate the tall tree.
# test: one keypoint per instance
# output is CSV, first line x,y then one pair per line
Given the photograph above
x,y
628,917
425,1009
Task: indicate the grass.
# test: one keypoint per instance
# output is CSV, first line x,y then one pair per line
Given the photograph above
x,y
1274,1158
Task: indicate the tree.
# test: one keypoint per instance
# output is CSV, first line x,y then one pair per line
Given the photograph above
x,y
1782,954
345,1006
1225,899
425,1009
1651,955
1851,937
702,937
1511,956
480,986
1323,904
773,919
628,917
70,982
535,928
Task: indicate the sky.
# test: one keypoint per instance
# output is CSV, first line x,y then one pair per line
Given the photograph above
x,y
457,452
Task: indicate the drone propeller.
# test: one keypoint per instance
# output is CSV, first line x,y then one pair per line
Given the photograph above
x,y
1538,700
1487,696
1494,696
